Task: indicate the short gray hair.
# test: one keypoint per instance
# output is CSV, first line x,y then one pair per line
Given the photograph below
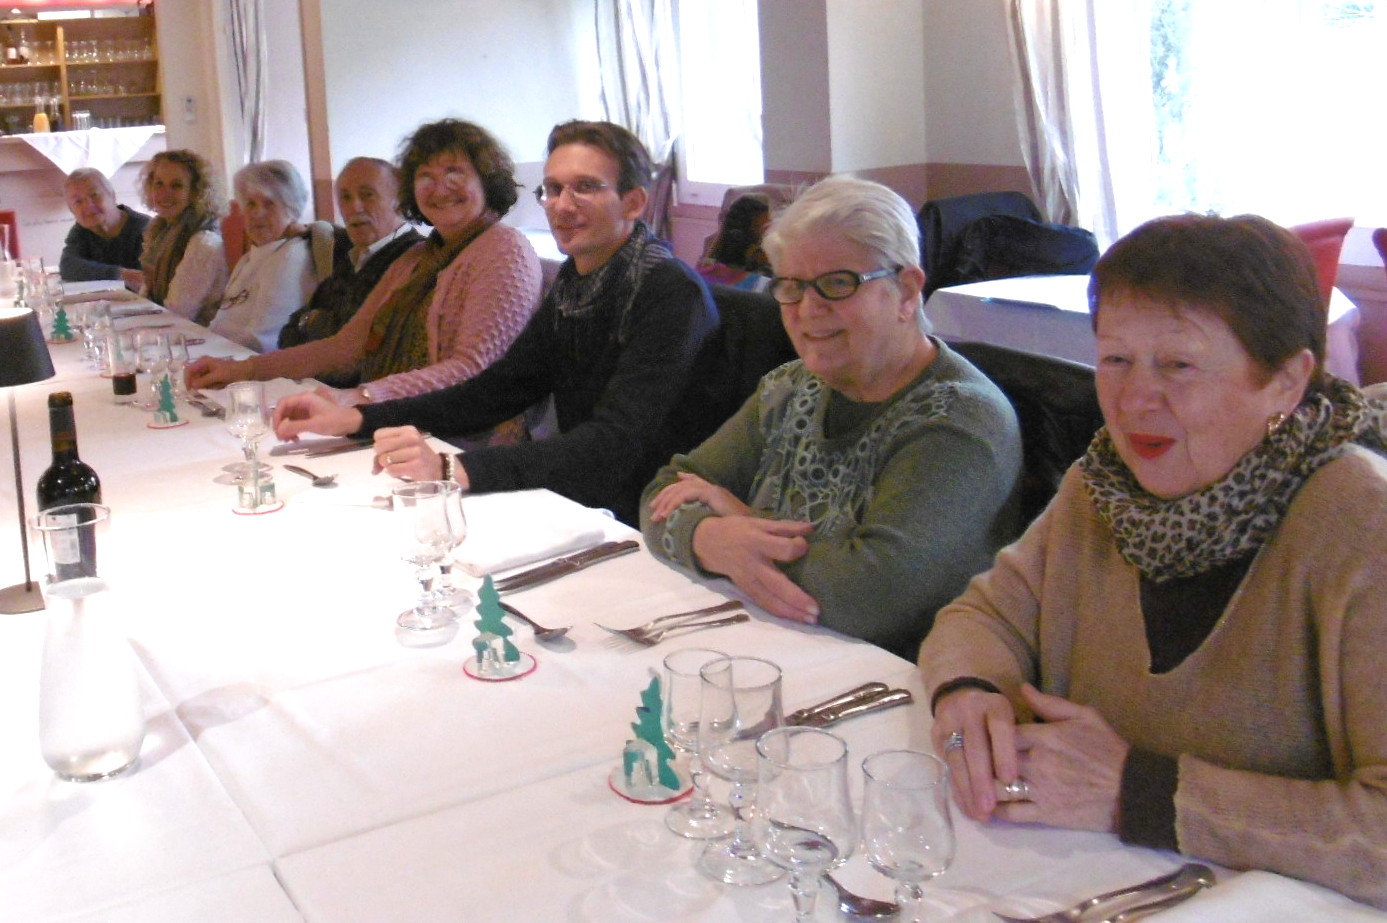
x,y
92,176
277,179
859,211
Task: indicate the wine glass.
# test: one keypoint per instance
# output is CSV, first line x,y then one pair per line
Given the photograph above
x,y
739,701
426,532
699,818
152,357
178,361
804,821
446,592
907,834
248,419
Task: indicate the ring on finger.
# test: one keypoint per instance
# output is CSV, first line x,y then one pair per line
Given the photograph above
x,y
1020,790
953,742
388,460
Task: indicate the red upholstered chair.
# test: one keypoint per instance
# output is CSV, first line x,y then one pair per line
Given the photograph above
x,y
1372,328
234,241
1325,240
10,221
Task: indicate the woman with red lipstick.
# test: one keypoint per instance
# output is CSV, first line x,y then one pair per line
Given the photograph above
x,y
1185,648
863,485
446,309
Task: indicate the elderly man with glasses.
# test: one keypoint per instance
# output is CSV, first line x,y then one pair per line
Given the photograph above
x,y
612,343
863,485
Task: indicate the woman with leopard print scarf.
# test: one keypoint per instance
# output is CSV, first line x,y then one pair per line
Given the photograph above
x,y
1185,648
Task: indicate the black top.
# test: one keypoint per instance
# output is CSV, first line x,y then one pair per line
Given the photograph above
x,y
338,297
87,256
611,405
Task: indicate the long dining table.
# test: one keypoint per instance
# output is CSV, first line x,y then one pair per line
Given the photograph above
x,y
307,760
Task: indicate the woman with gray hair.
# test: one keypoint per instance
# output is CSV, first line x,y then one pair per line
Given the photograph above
x,y
861,486
108,237
276,276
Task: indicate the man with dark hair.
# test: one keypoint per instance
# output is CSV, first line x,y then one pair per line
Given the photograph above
x,y
612,342
369,201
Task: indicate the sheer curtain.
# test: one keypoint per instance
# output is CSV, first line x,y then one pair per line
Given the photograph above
x,y
1138,108
638,58
250,66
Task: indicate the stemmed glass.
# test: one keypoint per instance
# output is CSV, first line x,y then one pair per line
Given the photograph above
x,y
804,821
152,358
699,818
427,533
446,592
907,834
178,361
248,419
740,701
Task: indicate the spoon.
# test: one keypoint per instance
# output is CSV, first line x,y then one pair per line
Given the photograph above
x,y
541,633
319,480
862,908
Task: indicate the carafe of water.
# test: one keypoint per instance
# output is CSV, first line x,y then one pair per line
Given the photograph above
x,y
91,714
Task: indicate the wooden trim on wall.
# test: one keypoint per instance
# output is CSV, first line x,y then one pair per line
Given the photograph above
x,y
315,93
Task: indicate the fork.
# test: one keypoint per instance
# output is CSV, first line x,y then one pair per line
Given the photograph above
x,y
724,606
648,637
1181,883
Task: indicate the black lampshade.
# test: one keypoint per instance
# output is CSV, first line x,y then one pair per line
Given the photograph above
x,y
24,355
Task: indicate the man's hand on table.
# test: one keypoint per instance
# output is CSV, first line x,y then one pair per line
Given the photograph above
x,y
746,549
313,413
403,452
133,279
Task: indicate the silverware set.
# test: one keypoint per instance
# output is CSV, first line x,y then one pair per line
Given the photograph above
x,y
868,697
1136,901
655,630
563,566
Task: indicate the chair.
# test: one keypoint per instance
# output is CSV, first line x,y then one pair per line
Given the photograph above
x,y
234,240
748,342
9,221
1056,403
1325,240
942,222
1372,327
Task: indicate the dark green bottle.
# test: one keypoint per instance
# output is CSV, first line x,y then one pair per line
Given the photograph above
x,y
68,479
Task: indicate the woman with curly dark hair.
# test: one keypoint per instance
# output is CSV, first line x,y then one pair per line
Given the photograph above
x,y
183,261
447,308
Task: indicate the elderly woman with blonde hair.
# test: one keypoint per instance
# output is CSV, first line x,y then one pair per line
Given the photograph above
x,y
863,485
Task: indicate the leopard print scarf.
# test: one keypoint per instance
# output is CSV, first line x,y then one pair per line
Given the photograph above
x,y
1234,516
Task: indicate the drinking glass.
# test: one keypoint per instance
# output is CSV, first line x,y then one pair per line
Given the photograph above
x,y
152,357
699,818
739,701
120,361
178,361
907,834
426,532
804,821
248,419
446,592
95,325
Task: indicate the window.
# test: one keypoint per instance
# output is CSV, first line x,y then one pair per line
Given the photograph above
x,y
1269,106
720,76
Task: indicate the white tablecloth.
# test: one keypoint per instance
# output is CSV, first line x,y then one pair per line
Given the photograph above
x,y
106,149
1049,315
309,761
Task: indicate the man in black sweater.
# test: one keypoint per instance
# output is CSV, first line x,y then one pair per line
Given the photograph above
x,y
612,342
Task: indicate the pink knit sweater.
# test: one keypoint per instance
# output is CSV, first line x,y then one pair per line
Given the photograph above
x,y
482,301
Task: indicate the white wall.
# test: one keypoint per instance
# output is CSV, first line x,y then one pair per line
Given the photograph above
x,y
968,91
515,67
877,75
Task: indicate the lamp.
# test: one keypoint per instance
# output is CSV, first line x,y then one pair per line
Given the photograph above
x,y
26,361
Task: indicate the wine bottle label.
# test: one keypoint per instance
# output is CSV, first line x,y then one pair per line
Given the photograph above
x,y
64,540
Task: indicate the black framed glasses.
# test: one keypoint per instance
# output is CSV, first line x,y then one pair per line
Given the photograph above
x,y
833,286
584,190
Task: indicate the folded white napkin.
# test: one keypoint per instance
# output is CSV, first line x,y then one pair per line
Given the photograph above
x,y
1263,897
503,534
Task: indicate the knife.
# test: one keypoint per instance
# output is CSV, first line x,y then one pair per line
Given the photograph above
x,y
565,565
877,702
846,698
337,449
1136,901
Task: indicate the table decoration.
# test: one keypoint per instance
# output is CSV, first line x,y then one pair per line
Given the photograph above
x,y
495,657
165,408
647,774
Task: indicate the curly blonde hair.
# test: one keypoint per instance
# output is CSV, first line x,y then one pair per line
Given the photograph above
x,y
205,196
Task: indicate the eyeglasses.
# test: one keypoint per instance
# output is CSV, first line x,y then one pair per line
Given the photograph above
x,y
583,190
834,286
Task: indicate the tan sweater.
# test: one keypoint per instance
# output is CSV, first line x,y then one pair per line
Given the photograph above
x,y
1279,719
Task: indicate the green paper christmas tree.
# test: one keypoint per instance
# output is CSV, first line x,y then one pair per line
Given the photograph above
x,y
492,624
168,412
61,330
649,727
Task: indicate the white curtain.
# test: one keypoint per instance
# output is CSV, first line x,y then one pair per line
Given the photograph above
x,y
639,64
252,72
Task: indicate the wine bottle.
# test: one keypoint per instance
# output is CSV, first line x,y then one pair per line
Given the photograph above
x,y
68,479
